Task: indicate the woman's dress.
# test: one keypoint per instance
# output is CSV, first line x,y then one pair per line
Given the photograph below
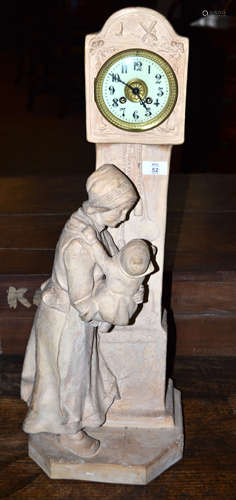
x,y
66,381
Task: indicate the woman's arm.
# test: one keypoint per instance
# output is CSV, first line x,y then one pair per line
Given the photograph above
x,y
99,253
109,243
80,278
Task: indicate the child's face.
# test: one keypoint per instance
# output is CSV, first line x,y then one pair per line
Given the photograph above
x,y
138,264
135,258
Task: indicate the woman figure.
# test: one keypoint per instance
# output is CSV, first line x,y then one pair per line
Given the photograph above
x,y
65,381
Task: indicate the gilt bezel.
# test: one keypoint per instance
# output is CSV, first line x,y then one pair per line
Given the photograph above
x,y
158,119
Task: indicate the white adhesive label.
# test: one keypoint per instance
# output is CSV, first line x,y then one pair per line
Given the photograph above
x,y
154,168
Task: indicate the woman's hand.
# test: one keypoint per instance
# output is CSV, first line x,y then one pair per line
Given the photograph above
x,y
104,327
139,295
89,235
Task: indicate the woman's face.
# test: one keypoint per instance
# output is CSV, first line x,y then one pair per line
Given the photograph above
x,y
112,218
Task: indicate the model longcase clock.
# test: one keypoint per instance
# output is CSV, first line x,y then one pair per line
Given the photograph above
x,y
136,74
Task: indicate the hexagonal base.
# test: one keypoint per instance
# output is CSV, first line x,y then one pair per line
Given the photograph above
x,y
126,455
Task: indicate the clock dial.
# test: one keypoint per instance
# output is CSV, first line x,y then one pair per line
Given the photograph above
x,y
136,90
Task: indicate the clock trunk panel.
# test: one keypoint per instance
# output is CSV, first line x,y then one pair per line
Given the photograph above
x,y
136,56
145,340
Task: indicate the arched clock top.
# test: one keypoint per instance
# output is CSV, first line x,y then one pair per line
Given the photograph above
x,y
146,24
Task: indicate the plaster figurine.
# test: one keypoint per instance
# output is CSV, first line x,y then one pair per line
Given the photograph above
x,y
65,381
124,272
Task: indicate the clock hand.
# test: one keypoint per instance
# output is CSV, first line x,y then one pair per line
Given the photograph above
x,y
130,86
127,84
142,100
137,91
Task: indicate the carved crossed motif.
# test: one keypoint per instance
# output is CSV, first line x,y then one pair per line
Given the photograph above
x,y
149,32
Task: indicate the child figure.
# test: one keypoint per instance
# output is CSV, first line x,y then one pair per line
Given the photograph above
x,y
124,273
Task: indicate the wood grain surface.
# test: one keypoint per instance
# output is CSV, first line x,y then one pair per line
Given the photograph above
x,y
201,308
45,163
200,224
208,469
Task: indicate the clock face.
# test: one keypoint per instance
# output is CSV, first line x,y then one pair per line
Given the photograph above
x,y
136,90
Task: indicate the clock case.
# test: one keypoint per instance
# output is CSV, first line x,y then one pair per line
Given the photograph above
x,y
131,29
142,381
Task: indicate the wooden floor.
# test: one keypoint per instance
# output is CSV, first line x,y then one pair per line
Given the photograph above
x,y
208,469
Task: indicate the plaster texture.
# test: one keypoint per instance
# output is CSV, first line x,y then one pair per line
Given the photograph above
x,y
126,456
94,377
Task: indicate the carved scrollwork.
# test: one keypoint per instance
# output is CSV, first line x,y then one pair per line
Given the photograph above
x,y
102,54
178,46
168,126
95,44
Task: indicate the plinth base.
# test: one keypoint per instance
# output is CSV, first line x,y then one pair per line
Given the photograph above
x,y
126,455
